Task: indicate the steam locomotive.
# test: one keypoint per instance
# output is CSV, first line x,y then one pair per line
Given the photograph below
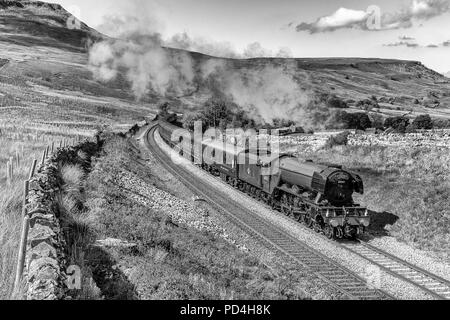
x,y
320,196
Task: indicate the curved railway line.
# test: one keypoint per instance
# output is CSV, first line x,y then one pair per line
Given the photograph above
x,y
338,277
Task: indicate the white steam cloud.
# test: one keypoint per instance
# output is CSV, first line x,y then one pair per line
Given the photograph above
x,y
264,91
265,94
148,67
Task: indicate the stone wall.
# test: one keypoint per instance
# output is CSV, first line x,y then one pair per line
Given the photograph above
x,y
45,248
312,143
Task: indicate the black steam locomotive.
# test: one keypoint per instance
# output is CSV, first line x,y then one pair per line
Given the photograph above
x,y
320,196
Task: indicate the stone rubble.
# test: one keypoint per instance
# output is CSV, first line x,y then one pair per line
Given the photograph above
x,y
180,211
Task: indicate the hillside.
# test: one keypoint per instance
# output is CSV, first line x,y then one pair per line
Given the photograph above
x,y
39,50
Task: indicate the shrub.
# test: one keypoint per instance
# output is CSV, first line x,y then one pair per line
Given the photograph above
x,y
377,121
340,139
398,123
336,102
163,110
368,104
359,120
190,118
441,123
423,122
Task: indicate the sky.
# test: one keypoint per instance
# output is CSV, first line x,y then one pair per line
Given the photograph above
x,y
400,29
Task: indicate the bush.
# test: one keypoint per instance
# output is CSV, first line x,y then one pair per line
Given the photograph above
x,y
359,120
368,104
340,139
335,102
377,121
163,109
423,122
190,118
398,123
441,123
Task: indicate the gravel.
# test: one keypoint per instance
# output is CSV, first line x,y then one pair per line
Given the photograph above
x,y
414,256
365,269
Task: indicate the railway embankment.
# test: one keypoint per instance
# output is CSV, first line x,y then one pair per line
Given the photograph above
x,y
132,232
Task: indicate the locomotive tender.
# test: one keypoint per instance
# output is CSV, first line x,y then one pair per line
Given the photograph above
x,y
320,196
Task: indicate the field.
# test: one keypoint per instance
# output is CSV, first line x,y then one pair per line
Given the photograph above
x,y
407,184
45,97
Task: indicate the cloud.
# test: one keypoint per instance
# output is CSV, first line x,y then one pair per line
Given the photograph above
x,y
344,18
402,43
415,45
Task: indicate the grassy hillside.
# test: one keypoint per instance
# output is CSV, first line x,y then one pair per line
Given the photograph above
x,y
40,39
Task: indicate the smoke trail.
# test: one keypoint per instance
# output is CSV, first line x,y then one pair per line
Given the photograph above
x,y
148,67
264,91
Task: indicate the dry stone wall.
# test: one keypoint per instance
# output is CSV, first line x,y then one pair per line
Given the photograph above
x,y
312,143
46,263
45,247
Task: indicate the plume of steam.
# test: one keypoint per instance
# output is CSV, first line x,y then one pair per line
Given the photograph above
x,y
203,45
255,50
265,92
223,49
148,66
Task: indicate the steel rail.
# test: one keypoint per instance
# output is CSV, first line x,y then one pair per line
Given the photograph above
x,y
436,286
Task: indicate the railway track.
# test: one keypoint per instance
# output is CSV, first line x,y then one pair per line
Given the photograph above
x,y
431,283
349,284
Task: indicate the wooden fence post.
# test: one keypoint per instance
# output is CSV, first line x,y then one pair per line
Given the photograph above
x,y
11,167
43,157
25,195
33,167
17,158
8,172
22,252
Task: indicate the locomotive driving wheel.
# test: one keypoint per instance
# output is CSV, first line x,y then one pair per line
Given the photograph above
x,y
329,232
307,218
285,205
